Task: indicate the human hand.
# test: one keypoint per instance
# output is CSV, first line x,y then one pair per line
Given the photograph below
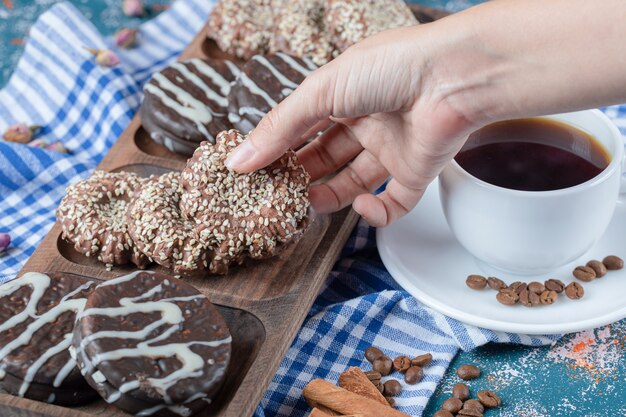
x,y
389,120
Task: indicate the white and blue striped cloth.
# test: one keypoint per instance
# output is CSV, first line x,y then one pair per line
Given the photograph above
x,y
86,107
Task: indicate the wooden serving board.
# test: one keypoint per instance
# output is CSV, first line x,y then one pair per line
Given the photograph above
x,y
264,303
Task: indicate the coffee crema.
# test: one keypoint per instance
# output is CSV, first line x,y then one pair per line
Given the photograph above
x,y
534,154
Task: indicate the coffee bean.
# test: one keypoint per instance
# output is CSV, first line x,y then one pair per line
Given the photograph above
x,y
373,375
443,413
391,401
452,405
574,291
507,296
548,297
529,299
468,372
401,363
496,283
598,267
422,360
514,286
555,285
476,282
460,391
584,273
473,405
382,365
372,353
488,398
379,386
469,412
613,262
536,287
413,375
392,388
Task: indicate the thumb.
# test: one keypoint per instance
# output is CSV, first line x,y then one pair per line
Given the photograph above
x,y
285,125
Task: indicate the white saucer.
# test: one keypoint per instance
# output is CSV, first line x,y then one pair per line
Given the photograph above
x,y
423,256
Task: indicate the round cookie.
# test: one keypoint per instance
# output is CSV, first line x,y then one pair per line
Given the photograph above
x,y
37,316
243,215
152,345
263,83
161,232
300,30
185,103
243,28
93,218
350,21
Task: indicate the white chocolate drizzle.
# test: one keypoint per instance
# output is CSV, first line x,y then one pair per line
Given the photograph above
x,y
40,284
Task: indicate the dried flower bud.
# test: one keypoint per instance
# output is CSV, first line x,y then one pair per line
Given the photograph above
x,y
104,57
56,147
126,38
38,143
20,133
133,8
5,241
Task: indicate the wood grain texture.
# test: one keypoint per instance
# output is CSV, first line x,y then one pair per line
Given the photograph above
x,y
264,303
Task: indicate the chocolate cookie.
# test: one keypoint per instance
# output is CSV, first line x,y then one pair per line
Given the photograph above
x,y
243,215
263,83
350,21
37,316
93,218
300,30
186,103
160,231
243,28
152,345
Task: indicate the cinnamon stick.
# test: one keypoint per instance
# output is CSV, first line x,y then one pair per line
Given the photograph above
x,y
355,380
345,402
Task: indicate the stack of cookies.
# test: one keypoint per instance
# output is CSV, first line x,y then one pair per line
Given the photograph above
x,y
200,221
274,45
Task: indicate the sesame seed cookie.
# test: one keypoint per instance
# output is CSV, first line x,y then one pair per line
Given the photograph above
x,y
93,218
186,104
161,232
350,21
243,28
243,215
300,30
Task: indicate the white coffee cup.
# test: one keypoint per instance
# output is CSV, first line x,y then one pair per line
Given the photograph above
x,y
534,232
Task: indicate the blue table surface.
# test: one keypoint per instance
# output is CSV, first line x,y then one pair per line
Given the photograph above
x,y
584,374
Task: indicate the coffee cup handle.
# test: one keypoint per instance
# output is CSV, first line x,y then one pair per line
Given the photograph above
x,y
622,190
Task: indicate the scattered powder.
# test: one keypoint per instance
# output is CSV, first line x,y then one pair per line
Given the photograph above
x,y
593,354
525,409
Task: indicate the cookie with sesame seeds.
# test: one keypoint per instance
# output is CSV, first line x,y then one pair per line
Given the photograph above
x,y
243,28
300,30
93,218
243,216
185,103
263,83
161,232
350,21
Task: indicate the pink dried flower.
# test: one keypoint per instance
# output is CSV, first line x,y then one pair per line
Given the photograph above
x,y
104,57
126,38
20,133
133,8
5,241
56,147
38,143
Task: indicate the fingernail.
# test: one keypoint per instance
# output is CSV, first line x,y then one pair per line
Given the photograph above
x,y
240,154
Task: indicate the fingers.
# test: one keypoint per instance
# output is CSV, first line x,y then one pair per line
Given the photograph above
x,y
363,175
385,208
285,126
336,147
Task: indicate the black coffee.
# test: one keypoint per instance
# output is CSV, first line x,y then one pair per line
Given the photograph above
x,y
534,154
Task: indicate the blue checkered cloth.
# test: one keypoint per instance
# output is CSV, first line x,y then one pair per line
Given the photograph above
x,y
86,107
